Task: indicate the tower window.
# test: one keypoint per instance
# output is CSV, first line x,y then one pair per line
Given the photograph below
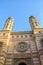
x,y
1,43
36,23
6,25
41,41
10,26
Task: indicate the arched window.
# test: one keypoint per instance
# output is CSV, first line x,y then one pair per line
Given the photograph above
x,y
41,41
1,44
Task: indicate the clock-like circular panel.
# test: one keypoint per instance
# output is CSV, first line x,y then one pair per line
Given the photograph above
x,y
22,46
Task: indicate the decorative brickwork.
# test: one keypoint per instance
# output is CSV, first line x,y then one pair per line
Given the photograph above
x,y
21,48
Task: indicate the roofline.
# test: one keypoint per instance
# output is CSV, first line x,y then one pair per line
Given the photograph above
x,y
21,32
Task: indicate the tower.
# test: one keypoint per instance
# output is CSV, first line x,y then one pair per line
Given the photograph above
x,y
4,40
38,37
33,22
9,24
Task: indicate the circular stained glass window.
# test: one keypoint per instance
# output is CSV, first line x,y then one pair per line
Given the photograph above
x,y
22,46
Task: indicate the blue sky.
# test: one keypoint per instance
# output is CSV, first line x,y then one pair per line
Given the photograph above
x,y
21,10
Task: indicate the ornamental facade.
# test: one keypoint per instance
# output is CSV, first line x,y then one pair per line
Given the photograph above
x,y
21,48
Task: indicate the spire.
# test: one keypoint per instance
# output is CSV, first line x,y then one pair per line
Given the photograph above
x,y
33,22
9,24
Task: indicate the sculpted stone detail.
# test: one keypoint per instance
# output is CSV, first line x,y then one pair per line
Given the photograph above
x,y
26,61
21,48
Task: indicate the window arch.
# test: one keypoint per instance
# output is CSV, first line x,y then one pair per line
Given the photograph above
x,y
1,44
41,41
